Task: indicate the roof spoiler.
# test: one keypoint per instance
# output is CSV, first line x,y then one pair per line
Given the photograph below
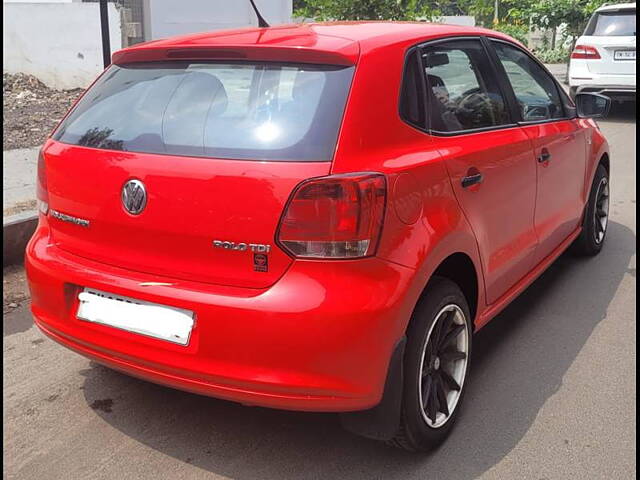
x,y
340,53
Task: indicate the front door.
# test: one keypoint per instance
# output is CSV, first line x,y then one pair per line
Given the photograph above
x,y
558,148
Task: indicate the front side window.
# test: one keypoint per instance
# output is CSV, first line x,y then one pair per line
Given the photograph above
x,y
462,91
536,92
612,24
243,111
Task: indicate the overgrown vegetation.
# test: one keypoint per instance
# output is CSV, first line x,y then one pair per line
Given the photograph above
x,y
519,31
556,55
365,9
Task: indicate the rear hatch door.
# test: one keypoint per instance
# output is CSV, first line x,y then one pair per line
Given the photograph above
x,y
613,33
218,149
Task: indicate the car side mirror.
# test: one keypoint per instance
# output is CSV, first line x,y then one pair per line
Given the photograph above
x,y
592,105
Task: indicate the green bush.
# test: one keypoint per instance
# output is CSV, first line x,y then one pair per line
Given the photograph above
x,y
518,31
557,55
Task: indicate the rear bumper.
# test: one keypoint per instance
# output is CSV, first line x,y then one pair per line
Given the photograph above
x,y
616,86
320,339
615,92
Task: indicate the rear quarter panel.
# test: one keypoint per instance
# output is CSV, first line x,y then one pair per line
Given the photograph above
x,y
423,222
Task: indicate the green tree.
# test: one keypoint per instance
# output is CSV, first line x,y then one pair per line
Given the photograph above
x,y
514,12
365,9
574,14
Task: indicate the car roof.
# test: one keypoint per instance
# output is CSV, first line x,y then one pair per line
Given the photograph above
x,y
350,39
354,30
615,7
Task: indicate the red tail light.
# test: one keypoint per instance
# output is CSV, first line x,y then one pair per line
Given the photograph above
x,y
585,51
42,194
339,216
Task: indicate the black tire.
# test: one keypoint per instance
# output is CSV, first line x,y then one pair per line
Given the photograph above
x,y
414,433
587,243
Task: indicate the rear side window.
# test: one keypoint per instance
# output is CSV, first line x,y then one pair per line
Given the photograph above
x,y
536,92
412,108
462,91
612,24
238,111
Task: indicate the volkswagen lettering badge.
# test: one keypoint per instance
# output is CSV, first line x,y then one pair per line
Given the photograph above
x,y
134,197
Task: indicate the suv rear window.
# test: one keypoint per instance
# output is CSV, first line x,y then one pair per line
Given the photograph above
x,y
242,111
620,23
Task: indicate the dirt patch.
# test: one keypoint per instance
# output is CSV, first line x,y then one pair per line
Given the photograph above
x,y
20,207
31,110
15,290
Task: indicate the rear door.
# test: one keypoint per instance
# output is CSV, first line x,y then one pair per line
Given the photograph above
x,y
558,145
218,149
488,157
613,34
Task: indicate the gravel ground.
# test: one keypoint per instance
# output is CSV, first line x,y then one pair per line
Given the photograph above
x,y
31,110
14,288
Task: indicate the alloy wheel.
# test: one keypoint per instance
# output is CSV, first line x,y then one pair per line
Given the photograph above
x,y
601,211
443,366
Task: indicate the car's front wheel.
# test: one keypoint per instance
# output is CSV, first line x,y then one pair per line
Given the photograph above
x,y
436,364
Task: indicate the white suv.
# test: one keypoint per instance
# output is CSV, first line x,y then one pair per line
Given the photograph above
x,y
604,58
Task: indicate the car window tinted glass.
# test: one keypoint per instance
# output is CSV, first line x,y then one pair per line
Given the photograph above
x,y
240,111
411,98
462,92
612,24
536,92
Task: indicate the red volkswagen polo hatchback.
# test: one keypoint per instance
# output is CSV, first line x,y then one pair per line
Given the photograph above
x,y
312,217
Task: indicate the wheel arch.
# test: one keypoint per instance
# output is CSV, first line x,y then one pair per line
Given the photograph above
x,y
605,162
381,422
460,269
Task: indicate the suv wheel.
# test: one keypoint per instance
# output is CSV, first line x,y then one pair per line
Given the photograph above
x,y
596,216
436,364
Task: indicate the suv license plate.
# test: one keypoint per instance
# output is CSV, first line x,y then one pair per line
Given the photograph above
x,y
145,318
624,55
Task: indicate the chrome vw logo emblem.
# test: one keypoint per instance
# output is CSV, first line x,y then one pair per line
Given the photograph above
x,y
134,197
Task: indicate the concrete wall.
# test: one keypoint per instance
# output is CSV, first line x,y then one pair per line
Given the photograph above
x,y
59,43
165,18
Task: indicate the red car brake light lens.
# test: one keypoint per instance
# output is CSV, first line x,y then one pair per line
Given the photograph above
x,y
42,194
585,51
339,216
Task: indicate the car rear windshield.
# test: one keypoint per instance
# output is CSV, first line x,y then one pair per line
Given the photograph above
x,y
620,23
265,111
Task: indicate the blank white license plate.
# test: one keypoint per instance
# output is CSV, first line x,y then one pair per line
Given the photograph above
x,y
145,318
624,55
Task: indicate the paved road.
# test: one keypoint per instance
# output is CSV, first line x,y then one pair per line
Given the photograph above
x,y
552,394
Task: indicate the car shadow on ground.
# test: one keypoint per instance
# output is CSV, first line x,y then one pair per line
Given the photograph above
x,y
520,360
